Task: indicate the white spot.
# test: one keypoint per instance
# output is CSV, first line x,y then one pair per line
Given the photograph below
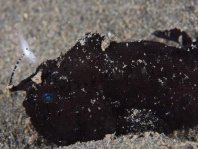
x,y
93,101
139,60
89,110
186,77
63,78
142,61
143,70
83,89
173,76
160,81
76,112
124,65
82,41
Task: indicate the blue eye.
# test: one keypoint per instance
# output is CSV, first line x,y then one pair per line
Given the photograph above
x,y
48,97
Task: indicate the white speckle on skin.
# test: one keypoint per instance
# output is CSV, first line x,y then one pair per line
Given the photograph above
x,y
63,78
89,110
76,112
160,81
82,41
83,89
99,108
93,101
124,65
173,76
141,61
83,50
69,58
158,60
165,78
88,57
186,77
143,70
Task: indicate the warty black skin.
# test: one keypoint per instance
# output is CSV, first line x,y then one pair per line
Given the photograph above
x,y
128,87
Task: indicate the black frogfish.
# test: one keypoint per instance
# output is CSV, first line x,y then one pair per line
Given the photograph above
x,y
123,87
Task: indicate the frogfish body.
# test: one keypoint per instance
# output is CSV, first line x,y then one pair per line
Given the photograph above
x,y
127,87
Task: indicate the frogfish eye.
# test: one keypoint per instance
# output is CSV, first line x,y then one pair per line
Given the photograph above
x,y
48,97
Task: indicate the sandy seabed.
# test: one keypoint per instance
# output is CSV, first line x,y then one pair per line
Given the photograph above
x,y
52,27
